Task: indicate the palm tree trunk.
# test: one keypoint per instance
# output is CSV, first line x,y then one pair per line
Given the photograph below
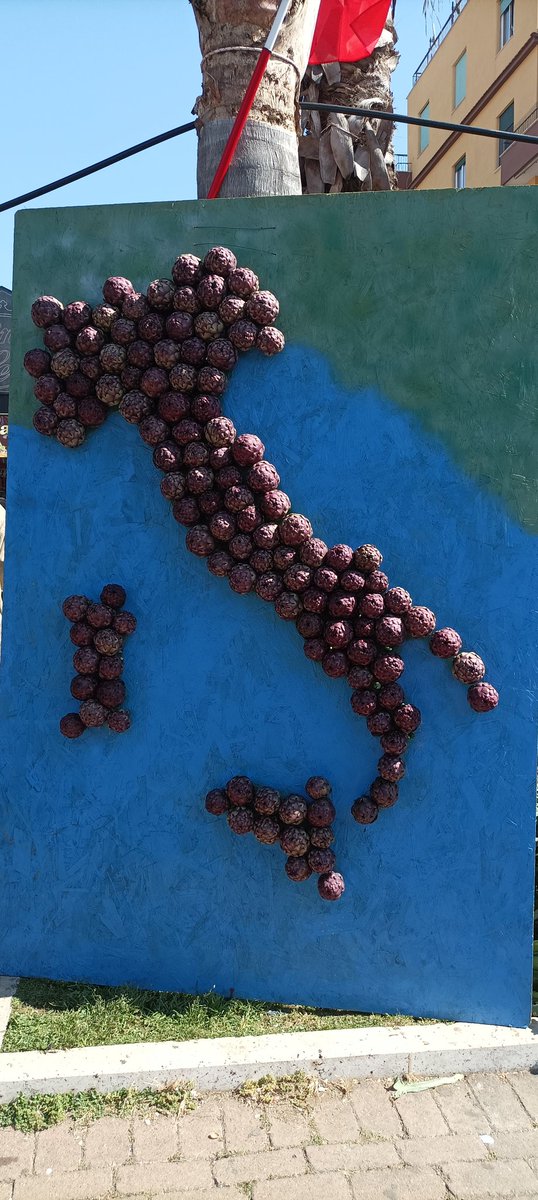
x,y
266,162
350,154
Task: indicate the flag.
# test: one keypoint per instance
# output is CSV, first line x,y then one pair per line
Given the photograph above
x,y
347,30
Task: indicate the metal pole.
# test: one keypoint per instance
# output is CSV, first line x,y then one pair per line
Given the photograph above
x,y
399,118
98,166
499,134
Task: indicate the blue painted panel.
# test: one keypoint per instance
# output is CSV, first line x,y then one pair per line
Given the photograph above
x,y
113,871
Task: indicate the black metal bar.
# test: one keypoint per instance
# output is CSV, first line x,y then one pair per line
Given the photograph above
x,y
452,126
307,105
98,166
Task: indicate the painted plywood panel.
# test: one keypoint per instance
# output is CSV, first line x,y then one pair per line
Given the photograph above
x,y
401,412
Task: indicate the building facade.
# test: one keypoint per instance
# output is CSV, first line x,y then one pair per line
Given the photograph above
x,y
482,70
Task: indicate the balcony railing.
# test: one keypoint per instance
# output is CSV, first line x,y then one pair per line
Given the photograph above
x,y
521,128
526,124
516,158
402,163
457,8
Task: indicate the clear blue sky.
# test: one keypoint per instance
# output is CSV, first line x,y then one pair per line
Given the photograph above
x,y
82,79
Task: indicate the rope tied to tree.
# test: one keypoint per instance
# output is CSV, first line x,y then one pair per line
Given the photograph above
x,y
253,50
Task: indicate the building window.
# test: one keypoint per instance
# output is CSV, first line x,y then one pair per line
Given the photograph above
x,y
506,123
424,133
460,174
507,21
460,79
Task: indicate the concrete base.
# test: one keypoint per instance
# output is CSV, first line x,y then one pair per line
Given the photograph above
x,y
224,1063
8,987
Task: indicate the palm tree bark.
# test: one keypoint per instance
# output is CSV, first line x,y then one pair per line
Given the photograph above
x,y
350,154
266,162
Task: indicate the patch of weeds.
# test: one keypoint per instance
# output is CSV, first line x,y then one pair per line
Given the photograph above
x,y
368,1136
297,1089
29,1113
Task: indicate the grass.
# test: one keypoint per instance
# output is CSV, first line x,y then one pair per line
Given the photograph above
x,y
47,1015
29,1113
535,980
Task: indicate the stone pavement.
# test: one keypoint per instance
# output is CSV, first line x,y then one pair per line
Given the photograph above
x,y
353,1143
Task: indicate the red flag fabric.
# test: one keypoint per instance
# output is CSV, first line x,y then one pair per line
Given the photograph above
x,y
347,30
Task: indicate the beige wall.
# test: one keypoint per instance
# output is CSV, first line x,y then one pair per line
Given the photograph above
x,y
476,31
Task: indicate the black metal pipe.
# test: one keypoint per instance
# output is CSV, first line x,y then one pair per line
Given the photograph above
x,y
504,135
308,106
98,166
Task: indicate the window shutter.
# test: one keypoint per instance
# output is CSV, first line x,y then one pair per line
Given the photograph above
x,y
460,80
424,133
506,119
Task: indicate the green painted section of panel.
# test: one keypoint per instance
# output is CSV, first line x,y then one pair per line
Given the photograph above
x,y
391,264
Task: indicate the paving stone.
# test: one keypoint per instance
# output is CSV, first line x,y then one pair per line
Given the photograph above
x,y
421,1115
231,1193
60,1148
108,1142
197,1130
16,1153
407,1183
335,1120
422,1152
164,1177
523,1144
287,1126
273,1164
472,1181
502,1107
461,1109
374,1110
243,1127
526,1086
73,1185
168,1195
6,1191
354,1157
306,1187
155,1138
